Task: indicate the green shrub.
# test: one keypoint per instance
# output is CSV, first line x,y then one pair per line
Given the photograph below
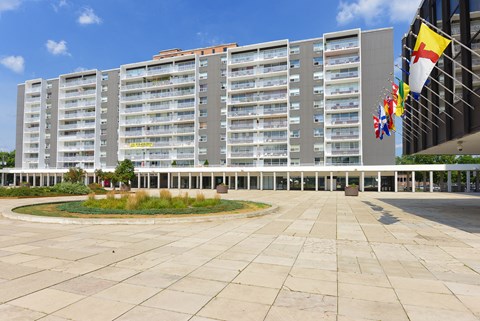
x,y
71,188
165,194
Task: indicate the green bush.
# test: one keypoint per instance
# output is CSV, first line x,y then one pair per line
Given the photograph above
x,y
25,192
71,188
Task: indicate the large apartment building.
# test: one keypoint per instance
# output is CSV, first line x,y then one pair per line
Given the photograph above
x,y
279,103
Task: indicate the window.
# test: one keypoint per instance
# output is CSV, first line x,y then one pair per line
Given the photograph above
x,y
203,63
294,91
295,120
318,148
294,50
103,110
203,75
317,104
203,113
49,85
203,100
318,61
103,142
224,49
295,161
223,99
294,78
295,148
104,99
224,59
202,125
223,124
223,150
223,111
318,118
103,154
203,88
104,88
202,151
213,50
103,131
318,132
294,105
223,85
318,90
104,76
294,63
318,47
318,75
295,133
202,138
103,121
223,72
223,137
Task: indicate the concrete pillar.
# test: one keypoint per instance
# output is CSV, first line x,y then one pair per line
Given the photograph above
x,y
139,181
169,181
331,181
301,181
41,180
55,180
379,179
261,181
213,181
288,181
14,179
3,179
179,177
236,180
86,179
148,180
201,180
449,181
158,180
189,180
413,182
325,186
362,182
316,181
424,181
408,181
248,180
346,179
468,182
396,182
430,179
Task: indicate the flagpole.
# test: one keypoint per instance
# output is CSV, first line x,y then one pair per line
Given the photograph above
x,y
423,123
458,97
450,58
447,35
405,137
412,129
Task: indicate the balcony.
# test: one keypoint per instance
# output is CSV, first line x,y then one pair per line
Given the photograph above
x,y
185,155
157,95
255,98
88,103
78,115
342,91
78,94
341,45
78,82
341,121
280,139
31,129
77,147
342,106
269,125
158,83
67,159
343,137
274,153
32,119
259,70
33,90
347,151
341,75
241,73
159,71
33,99
76,137
242,154
32,110
341,60
77,126
248,140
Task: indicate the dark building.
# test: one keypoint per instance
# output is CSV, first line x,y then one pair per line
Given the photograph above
x,y
453,93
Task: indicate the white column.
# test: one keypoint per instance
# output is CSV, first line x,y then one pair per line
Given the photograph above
x,y
213,182
3,179
346,179
248,180
35,181
138,181
413,182
169,180
178,179
94,177
396,182
14,179
148,180
288,181
325,181
55,179
316,181
236,180
449,181
468,182
189,180
431,181
362,182
274,181
41,179
261,181
201,180
301,181
379,179
61,178
223,178
331,181
158,180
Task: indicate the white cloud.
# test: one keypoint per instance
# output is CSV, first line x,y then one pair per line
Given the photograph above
x,y
88,17
6,5
14,63
373,11
207,40
79,69
57,48
58,4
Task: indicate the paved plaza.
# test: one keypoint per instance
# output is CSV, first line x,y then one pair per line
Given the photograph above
x,y
320,256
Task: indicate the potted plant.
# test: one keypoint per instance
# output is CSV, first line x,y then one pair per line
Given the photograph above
x,y
206,163
351,190
222,188
174,163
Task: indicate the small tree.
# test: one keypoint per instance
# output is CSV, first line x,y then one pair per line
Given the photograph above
x,y
107,176
75,175
125,172
206,163
174,163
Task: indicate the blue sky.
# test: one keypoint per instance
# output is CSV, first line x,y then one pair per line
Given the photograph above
x,y
46,38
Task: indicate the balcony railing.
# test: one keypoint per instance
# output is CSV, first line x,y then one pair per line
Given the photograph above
x,y
158,83
255,98
78,115
159,71
340,45
254,57
78,94
158,95
343,137
242,154
77,125
348,151
341,75
80,104
33,99
78,82
341,60
341,121
31,129
76,137
341,91
342,106
260,70
76,159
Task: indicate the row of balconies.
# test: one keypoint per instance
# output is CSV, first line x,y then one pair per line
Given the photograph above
x,y
78,115
342,105
258,71
32,90
169,143
257,112
335,45
147,96
333,61
159,83
255,126
340,75
341,121
158,71
258,84
78,94
152,120
79,82
35,99
76,159
257,97
160,156
242,58
81,103
76,137
157,107
256,140
76,147
154,132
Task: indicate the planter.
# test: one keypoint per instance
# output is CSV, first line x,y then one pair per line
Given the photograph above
x,y
222,189
351,191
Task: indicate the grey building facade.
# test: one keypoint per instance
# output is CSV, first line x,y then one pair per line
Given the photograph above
x,y
280,103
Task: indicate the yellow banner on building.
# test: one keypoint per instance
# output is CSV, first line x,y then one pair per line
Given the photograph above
x,y
140,145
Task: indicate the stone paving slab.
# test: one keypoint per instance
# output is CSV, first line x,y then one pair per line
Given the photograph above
x,y
319,256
